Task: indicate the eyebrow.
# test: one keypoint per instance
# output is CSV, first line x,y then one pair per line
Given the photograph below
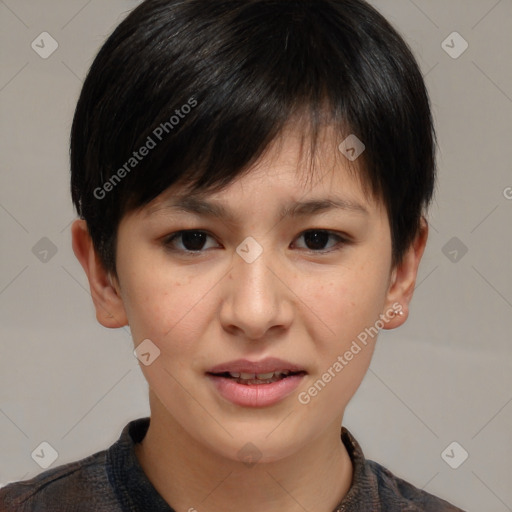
x,y
199,206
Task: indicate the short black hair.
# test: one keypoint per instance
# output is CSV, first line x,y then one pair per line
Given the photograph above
x,y
198,89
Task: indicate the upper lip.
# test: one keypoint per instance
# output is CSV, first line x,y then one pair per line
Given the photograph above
x,y
267,365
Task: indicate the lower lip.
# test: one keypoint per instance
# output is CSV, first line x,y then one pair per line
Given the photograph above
x,y
256,395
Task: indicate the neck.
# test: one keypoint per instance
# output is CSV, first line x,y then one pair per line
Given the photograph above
x,y
191,477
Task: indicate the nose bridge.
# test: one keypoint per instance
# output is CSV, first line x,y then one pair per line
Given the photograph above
x,y
256,300
253,283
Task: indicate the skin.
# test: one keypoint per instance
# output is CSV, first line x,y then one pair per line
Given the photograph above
x,y
303,306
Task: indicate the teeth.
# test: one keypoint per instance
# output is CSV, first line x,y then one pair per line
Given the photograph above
x,y
260,376
264,376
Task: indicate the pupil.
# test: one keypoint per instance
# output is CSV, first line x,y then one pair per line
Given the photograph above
x,y
316,239
193,241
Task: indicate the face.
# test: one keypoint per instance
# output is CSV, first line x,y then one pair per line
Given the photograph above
x,y
294,271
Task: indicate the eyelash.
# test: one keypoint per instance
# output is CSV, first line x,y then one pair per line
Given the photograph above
x,y
169,240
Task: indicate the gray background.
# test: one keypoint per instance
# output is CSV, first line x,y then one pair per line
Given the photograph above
x,y
444,376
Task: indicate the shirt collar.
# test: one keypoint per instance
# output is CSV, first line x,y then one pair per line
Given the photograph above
x,y
363,493
132,487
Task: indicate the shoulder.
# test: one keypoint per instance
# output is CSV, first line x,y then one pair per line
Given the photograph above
x,y
397,494
374,487
79,486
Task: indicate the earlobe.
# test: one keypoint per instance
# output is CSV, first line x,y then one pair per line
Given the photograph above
x,y
403,279
110,311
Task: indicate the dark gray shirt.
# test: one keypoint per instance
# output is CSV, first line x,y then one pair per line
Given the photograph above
x,y
113,481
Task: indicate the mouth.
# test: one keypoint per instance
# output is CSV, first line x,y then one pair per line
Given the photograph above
x,y
256,383
257,378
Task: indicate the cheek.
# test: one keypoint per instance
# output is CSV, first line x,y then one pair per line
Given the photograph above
x,y
347,301
148,307
166,310
348,305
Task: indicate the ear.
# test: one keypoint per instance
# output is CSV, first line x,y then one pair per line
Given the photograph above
x,y
403,280
110,311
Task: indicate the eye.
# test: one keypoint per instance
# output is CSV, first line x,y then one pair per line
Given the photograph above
x,y
317,239
195,241
191,241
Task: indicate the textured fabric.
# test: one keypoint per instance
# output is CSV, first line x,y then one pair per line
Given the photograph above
x,y
113,481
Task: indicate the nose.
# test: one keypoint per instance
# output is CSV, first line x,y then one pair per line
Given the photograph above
x,y
256,301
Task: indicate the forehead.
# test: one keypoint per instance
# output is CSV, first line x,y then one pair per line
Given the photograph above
x,y
296,175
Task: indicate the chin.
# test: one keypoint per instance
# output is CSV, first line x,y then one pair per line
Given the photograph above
x,y
257,448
